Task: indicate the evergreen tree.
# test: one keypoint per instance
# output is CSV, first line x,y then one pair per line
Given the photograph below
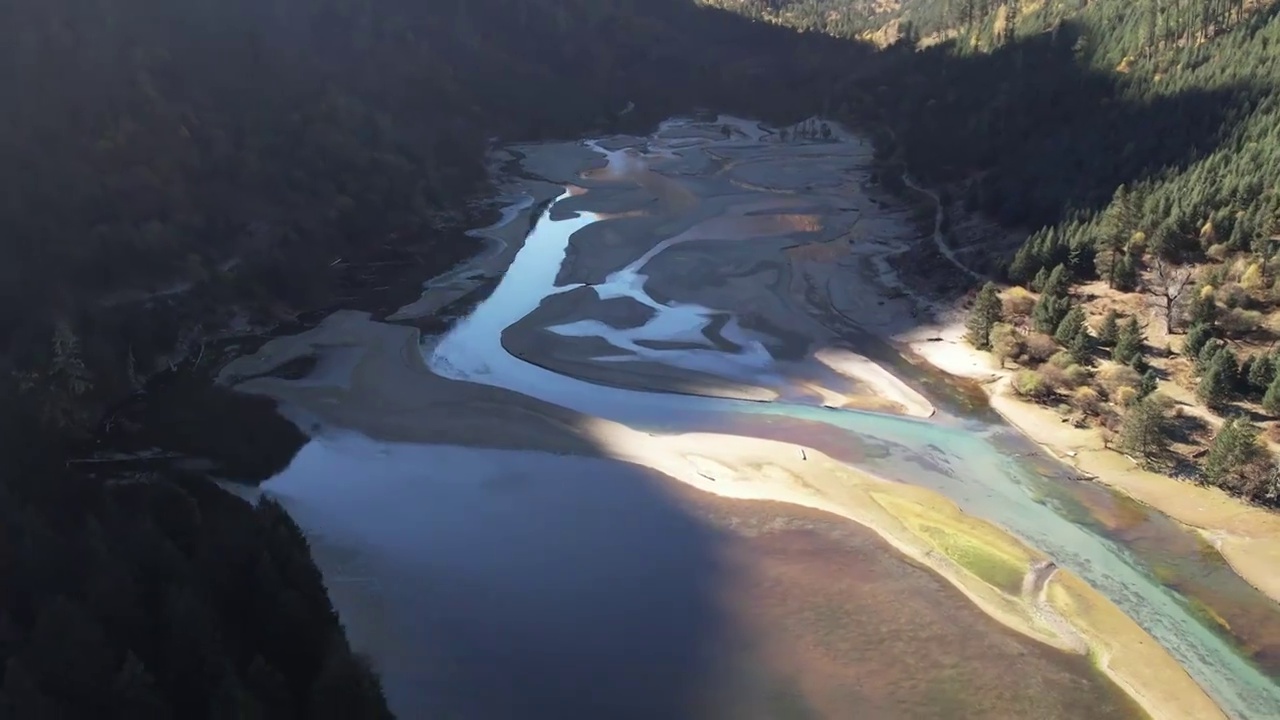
x,y
1109,333
1129,344
1197,336
1144,429
1207,353
1233,452
985,314
1081,347
1040,280
1262,372
1219,380
1125,274
1058,282
1203,310
1271,400
1071,325
1149,382
1048,312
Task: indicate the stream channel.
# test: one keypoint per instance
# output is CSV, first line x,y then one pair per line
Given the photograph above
x,y
1226,634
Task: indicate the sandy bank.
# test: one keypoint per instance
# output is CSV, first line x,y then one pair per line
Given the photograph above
x,y
1248,537
384,390
975,556
883,383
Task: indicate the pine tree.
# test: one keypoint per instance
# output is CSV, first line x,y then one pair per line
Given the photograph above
x,y
1071,325
1081,347
1234,450
1261,373
1110,330
1271,400
1125,275
1039,281
1057,283
1204,310
1204,358
1149,382
1144,430
986,313
1129,343
1219,380
1197,336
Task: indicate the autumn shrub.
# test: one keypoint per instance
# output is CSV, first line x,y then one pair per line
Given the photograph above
x,y
1124,397
1113,378
1006,343
1038,347
1232,295
1018,302
1238,321
1062,359
1086,400
1056,378
1030,384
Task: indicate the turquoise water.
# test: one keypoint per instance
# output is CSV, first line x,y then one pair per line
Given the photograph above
x,y
963,461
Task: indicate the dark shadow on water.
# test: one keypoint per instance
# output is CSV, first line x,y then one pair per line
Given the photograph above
x,y
516,584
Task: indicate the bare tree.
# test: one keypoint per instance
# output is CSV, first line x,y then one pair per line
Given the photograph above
x,y
1168,283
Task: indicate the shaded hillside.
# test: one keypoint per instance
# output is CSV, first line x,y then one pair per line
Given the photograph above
x,y
147,600
169,167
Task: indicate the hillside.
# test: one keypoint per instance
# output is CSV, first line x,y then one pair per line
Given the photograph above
x,y
1136,147
173,170
170,170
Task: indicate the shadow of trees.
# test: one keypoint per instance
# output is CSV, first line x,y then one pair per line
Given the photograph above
x,y
1031,130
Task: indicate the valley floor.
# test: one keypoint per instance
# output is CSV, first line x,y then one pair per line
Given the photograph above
x,y
809,270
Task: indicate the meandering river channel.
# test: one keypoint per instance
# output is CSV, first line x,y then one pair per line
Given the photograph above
x,y
670,340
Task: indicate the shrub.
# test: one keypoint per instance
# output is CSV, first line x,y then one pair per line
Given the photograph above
x,y
1062,359
1086,400
1006,343
1114,377
1057,378
1125,396
1232,295
1030,384
1038,348
1238,321
1078,375
1018,302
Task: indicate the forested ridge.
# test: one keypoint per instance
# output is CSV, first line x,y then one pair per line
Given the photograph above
x,y
169,167
1136,145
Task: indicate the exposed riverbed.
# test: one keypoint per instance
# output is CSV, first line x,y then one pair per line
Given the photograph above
x,y
673,281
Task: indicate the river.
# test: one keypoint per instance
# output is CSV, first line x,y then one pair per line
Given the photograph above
x,y
503,539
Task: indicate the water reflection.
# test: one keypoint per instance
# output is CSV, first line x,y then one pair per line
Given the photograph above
x,y
498,584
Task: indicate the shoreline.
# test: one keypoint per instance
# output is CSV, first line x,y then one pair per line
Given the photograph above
x,y
1248,537
388,393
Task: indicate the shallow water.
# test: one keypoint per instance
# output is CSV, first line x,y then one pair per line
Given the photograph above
x,y
503,584
521,584
961,462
